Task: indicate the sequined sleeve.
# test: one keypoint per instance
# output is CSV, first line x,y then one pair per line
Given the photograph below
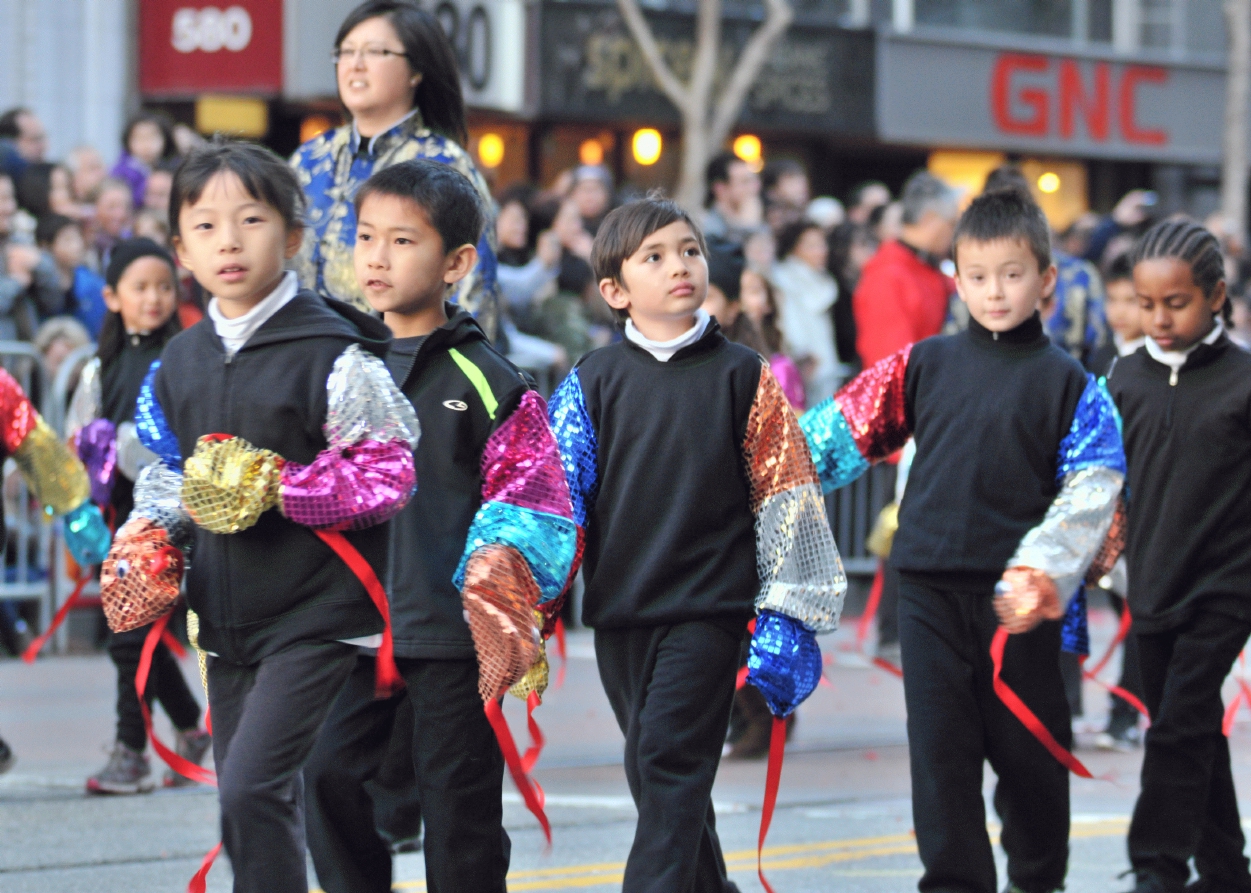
x,y
1090,472
366,474
801,574
52,471
150,424
158,486
525,505
85,405
863,423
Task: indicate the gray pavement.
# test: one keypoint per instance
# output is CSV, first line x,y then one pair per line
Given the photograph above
x,y
843,821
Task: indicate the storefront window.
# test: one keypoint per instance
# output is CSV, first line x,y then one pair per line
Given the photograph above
x,y
1052,18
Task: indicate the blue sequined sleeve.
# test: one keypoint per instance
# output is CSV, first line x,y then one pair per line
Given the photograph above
x,y
154,430
575,436
158,489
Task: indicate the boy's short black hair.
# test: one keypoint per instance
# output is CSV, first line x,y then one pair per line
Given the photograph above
x,y
444,194
49,226
265,176
1120,267
1006,214
624,230
725,271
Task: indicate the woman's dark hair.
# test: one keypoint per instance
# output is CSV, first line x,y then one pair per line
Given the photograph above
x,y
113,335
34,186
790,235
429,53
265,177
161,121
1192,244
768,328
49,226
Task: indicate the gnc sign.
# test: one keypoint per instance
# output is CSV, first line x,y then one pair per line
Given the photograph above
x,y
1033,95
187,47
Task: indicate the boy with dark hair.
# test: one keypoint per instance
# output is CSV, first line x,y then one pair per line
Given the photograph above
x,y
478,558
692,483
1017,470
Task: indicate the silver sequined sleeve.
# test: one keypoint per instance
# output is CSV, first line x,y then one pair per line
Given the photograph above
x,y
132,455
363,403
1071,532
85,405
158,497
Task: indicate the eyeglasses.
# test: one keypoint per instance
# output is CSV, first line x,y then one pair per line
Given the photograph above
x,y
370,54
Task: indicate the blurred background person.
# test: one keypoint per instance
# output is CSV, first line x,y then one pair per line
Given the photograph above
x,y
786,193
29,285
807,293
113,220
23,140
591,194
87,173
147,140
732,206
760,305
864,199
82,287
851,246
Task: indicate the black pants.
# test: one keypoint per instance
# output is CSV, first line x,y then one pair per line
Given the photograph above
x,y
956,722
165,684
670,688
397,808
459,772
1187,807
266,717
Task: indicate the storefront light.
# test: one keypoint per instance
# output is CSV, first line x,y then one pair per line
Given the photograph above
x,y
1049,183
647,146
591,152
314,125
748,148
491,150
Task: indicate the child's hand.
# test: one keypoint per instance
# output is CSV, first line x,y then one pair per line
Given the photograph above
x,y
1024,598
228,483
141,578
500,611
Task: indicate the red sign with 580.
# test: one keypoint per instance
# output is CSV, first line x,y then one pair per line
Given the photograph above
x,y
187,48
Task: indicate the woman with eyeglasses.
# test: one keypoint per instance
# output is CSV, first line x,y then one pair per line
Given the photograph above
x,y
397,77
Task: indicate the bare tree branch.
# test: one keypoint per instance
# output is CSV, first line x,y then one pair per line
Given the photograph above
x,y
704,63
1237,85
642,32
778,18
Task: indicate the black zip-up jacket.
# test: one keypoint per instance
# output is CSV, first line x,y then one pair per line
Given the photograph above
x,y
275,583
428,536
1188,446
119,388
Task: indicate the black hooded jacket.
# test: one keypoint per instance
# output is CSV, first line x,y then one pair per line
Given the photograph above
x,y
428,536
1188,446
261,589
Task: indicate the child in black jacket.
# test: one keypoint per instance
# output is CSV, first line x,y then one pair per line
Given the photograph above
x,y
1017,470
284,446
141,295
1186,401
478,559
700,505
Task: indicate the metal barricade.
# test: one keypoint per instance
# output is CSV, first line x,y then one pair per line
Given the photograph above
x,y
852,512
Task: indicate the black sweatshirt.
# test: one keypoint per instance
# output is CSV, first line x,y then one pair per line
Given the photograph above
x,y
988,415
1189,486
120,382
275,583
671,535
428,536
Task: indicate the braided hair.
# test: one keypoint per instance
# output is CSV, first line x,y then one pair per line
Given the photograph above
x,y
1192,244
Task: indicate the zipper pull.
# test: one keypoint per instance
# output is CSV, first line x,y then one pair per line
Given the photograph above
x,y
1172,378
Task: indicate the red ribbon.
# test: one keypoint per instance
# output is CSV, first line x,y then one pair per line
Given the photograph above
x,y
1025,715
773,776
1122,631
171,642
1244,694
182,766
740,679
562,649
387,679
531,756
32,651
529,789
200,879
870,609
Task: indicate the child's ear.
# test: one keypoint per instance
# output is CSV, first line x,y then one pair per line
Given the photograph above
x,y
460,261
180,252
1049,277
614,294
295,238
1218,298
111,300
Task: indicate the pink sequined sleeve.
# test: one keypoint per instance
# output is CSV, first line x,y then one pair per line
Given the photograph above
x,y
367,473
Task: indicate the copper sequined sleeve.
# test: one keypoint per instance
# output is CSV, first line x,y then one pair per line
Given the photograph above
x,y
801,574
863,423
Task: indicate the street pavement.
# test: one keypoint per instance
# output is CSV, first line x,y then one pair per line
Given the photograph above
x,y
843,819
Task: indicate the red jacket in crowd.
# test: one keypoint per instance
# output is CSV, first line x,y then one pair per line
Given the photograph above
x,y
899,299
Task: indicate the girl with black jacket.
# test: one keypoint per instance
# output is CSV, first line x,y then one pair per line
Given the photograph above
x,y
141,296
1186,401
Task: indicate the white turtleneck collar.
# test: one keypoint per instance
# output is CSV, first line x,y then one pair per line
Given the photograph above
x,y
236,332
664,350
1175,359
1125,348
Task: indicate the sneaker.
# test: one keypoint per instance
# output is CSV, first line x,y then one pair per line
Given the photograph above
x,y
7,757
1124,740
407,845
191,745
127,772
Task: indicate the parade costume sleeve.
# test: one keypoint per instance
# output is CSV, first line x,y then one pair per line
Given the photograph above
x,y
53,473
801,576
365,476
1090,471
865,422
522,546
104,448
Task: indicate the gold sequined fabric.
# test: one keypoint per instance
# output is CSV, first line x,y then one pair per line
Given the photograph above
x,y
1071,532
537,676
228,483
800,572
499,596
53,472
141,578
882,536
1031,598
193,636
1113,545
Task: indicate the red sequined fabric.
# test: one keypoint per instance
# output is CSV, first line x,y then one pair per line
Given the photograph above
x,y
873,404
1113,545
775,448
18,415
141,578
499,596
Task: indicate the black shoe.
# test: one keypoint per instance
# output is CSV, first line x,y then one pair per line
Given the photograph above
x,y
408,845
7,757
1218,885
